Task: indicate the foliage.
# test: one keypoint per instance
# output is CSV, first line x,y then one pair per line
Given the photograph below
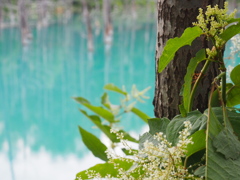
x,y
107,117
192,145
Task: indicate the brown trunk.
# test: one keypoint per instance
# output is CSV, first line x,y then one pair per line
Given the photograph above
x,y
173,17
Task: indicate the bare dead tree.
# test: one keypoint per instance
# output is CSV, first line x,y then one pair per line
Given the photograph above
x,y
87,20
108,29
23,18
42,13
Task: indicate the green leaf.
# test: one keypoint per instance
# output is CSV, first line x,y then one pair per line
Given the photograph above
x,y
233,96
199,142
104,128
230,32
107,129
129,152
182,110
233,20
128,137
173,45
200,56
105,100
93,144
147,137
227,144
106,168
140,114
200,172
217,166
215,99
234,118
96,109
158,125
112,87
197,119
235,75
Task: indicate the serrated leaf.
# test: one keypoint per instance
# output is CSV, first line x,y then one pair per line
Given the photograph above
x,y
235,75
107,115
93,144
104,128
230,32
227,144
140,114
158,125
173,45
199,142
217,166
200,56
105,169
234,118
112,87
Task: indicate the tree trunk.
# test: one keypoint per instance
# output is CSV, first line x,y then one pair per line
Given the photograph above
x,y
1,17
42,13
108,29
173,17
87,20
25,31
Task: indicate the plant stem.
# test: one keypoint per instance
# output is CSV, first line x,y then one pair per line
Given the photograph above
x,y
223,88
203,71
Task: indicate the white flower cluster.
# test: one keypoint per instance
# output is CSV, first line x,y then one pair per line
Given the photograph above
x,y
235,47
156,161
164,161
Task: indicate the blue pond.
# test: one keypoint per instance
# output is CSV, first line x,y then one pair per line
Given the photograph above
x,y
39,120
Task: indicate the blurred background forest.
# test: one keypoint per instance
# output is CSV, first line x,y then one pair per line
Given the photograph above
x,y
97,14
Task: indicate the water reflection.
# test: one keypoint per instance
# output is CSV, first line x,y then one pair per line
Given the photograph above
x,y
39,138
28,164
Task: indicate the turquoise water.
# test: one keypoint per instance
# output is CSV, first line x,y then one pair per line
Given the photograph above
x,y
39,137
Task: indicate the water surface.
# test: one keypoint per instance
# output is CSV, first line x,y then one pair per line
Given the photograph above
x,y
39,137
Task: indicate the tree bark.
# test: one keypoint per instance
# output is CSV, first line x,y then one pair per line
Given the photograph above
x,y
173,17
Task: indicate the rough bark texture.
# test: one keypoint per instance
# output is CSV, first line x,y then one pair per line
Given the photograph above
x,y
173,17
